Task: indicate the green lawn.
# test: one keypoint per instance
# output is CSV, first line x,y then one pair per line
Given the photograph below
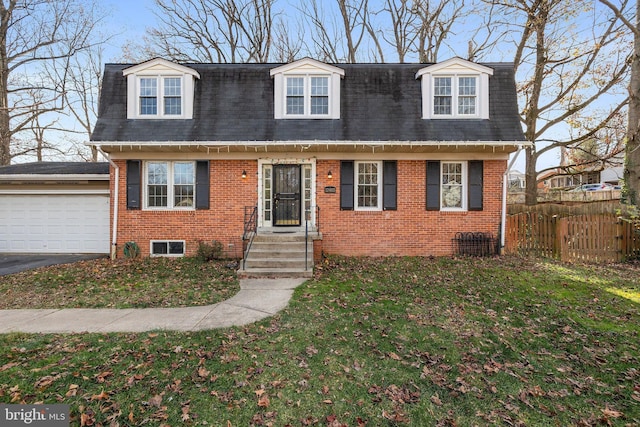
x,y
369,342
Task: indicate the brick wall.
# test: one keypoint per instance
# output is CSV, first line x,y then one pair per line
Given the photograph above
x,y
409,230
229,194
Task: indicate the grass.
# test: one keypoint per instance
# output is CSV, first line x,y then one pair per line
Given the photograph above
x,y
135,283
369,342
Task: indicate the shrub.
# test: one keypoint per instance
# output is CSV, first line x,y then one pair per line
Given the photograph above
x,y
209,251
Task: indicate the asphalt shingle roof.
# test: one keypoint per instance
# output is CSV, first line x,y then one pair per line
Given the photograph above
x,y
56,168
379,102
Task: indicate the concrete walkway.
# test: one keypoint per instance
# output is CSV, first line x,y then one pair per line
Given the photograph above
x,y
257,299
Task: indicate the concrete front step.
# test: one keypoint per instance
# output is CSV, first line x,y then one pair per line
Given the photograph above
x,y
279,255
274,273
277,262
285,247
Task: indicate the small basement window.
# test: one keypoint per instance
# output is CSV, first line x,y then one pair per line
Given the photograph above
x,y
167,248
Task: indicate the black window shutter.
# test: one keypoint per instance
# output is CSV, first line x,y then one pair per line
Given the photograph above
x,y
202,184
390,185
475,185
134,170
433,186
346,185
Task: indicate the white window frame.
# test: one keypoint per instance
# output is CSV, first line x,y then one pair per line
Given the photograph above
x,y
307,96
160,97
160,69
170,186
464,186
455,96
168,243
356,185
307,69
455,69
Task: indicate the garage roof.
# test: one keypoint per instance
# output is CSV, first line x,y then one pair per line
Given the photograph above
x,y
50,172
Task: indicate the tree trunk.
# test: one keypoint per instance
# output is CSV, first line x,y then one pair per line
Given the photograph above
x,y
5,130
531,178
632,159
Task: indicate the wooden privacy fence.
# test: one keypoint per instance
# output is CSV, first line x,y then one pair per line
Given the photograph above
x,y
597,238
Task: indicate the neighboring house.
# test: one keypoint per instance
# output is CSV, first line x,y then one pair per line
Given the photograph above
x,y
517,181
54,207
381,159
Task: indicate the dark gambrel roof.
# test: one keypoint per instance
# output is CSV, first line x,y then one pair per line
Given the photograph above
x,y
56,168
379,102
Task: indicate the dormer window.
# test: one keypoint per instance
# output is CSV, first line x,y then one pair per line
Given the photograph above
x,y
455,89
307,89
150,104
308,94
455,96
148,96
160,89
172,96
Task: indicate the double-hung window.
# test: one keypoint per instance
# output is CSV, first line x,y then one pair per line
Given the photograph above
x,y
368,185
453,190
455,96
307,96
150,101
148,96
170,185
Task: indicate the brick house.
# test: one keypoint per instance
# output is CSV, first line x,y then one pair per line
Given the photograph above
x,y
376,159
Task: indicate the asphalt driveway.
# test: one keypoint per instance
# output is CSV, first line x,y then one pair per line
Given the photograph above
x,y
14,263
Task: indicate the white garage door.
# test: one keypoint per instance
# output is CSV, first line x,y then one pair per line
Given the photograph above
x,y
54,223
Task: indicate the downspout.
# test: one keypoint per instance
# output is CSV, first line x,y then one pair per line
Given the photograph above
x,y
505,178
114,237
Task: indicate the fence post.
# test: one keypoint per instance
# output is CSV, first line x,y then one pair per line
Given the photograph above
x,y
557,241
562,231
622,240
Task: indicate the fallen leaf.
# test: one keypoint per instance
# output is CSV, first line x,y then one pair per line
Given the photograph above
x,y
610,413
156,401
394,356
101,396
263,401
436,400
73,390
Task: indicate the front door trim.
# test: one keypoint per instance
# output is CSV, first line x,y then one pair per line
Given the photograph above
x,y
303,163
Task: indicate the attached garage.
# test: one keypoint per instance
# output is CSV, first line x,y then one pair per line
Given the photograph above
x,y
54,208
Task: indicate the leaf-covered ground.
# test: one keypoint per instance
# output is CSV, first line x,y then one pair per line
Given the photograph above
x,y
369,342
135,283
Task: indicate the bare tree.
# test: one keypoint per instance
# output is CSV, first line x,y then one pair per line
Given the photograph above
x,y
632,150
224,31
324,33
34,35
84,77
288,41
434,25
568,60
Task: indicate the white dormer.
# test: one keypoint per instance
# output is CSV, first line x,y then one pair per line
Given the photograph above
x,y
455,89
307,89
160,89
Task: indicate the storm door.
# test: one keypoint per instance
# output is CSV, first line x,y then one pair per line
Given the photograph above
x,y
286,195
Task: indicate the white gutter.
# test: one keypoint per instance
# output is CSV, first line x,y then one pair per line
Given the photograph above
x,y
114,237
307,143
503,222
